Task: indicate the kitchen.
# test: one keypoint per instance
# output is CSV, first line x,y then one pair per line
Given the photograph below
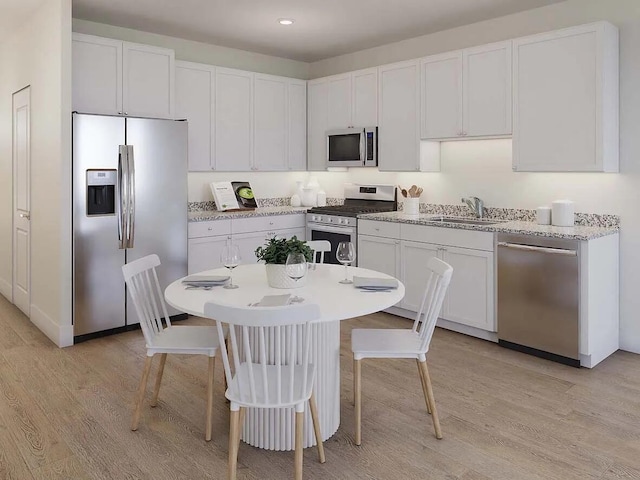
x,y
482,168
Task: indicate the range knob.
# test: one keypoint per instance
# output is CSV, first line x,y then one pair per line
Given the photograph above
x,y
314,218
330,220
342,220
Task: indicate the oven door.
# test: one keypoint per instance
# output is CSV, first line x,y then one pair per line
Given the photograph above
x,y
346,148
334,235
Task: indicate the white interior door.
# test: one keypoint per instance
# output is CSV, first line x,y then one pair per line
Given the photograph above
x,y
21,199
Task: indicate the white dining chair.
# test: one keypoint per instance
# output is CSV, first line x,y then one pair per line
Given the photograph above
x,y
269,367
319,247
143,286
404,343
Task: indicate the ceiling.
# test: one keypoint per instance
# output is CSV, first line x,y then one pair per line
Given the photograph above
x,y
322,29
15,12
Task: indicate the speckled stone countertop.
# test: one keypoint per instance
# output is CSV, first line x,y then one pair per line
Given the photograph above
x,y
207,215
512,226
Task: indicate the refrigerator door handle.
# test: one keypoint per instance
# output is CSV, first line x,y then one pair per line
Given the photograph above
x,y
131,216
121,196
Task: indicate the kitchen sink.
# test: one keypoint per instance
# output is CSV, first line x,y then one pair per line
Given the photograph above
x,y
466,221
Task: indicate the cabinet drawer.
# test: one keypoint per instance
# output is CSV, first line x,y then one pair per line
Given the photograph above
x,y
263,224
209,229
379,229
448,236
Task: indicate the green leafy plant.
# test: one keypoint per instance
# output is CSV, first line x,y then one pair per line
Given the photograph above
x,y
276,250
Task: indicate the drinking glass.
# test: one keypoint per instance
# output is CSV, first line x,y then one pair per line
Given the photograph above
x,y
296,266
230,258
346,254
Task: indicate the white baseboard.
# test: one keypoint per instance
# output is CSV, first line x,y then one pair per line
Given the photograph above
x,y
62,336
6,289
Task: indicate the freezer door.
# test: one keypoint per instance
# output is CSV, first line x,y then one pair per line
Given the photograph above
x,y
98,285
158,220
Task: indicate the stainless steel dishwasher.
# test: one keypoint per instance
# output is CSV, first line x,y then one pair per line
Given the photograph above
x,y
539,296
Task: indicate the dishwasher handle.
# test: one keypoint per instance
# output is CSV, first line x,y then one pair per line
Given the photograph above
x,y
532,248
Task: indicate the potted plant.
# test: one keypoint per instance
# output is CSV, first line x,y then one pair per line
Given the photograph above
x,y
275,252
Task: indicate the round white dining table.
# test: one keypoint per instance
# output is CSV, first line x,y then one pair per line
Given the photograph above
x,y
273,429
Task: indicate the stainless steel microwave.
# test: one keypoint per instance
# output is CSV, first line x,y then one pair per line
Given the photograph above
x,y
352,147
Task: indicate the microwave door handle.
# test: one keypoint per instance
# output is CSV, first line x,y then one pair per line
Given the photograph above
x,y
131,214
363,150
121,195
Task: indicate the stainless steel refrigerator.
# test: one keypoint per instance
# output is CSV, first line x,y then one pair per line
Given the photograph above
x,y
129,200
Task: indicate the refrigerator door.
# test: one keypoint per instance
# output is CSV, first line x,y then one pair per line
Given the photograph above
x,y
158,217
98,285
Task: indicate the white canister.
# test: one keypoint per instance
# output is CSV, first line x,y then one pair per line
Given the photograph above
x,y
309,197
543,215
411,206
321,198
296,201
562,213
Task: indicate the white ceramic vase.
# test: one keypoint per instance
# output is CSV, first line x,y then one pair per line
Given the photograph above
x,y
277,277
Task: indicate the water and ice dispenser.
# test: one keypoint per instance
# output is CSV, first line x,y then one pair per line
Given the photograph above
x,y
101,192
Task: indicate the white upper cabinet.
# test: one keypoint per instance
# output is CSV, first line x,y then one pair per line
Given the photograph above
x,y
194,90
399,116
364,98
467,93
487,90
270,123
317,121
97,75
565,113
119,78
233,119
148,81
442,96
339,101
297,120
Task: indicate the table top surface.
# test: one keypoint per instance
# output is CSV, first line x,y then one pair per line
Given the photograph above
x,y
337,301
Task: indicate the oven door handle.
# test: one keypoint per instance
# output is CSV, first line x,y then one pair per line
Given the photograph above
x,y
330,229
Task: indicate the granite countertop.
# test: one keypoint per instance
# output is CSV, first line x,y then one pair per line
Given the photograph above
x,y
511,226
207,215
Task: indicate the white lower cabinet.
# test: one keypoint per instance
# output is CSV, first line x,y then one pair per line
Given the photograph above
x,y
414,258
248,242
379,254
204,253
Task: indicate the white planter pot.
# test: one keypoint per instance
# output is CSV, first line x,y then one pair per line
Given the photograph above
x,y
278,278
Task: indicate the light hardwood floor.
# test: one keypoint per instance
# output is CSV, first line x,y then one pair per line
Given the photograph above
x,y
64,414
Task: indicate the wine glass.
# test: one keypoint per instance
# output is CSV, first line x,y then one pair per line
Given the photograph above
x,y
296,265
230,258
346,254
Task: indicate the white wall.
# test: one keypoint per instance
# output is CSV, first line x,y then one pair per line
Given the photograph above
x,y
200,52
38,54
484,168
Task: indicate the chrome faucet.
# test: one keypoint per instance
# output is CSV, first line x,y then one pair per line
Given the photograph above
x,y
475,204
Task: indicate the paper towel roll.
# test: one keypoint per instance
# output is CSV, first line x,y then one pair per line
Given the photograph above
x,y
562,213
543,215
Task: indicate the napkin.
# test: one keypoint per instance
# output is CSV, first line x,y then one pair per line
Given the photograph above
x,y
205,280
274,301
375,283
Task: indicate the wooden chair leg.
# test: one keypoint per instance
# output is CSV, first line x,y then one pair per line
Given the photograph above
x,y
141,391
243,411
357,394
298,445
212,364
156,389
233,443
424,387
316,428
430,399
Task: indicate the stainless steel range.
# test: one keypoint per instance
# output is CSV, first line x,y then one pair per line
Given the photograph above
x,y
339,223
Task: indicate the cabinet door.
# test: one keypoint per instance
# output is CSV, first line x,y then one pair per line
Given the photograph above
x,y
442,96
399,117
364,96
194,86
566,100
414,273
470,298
379,254
487,90
204,253
97,75
270,123
233,118
297,121
148,81
317,125
339,101
248,242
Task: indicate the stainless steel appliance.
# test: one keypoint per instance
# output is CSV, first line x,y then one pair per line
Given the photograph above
x,y
352,147
539,296
339,223
129,200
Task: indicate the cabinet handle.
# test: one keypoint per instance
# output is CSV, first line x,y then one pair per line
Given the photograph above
x,y
126,113
270,223
397,242
209,228
377,229
119,113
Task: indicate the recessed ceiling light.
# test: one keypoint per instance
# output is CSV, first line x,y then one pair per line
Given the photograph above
x,y
285,21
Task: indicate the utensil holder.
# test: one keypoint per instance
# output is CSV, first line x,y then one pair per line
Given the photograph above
x,y
411,206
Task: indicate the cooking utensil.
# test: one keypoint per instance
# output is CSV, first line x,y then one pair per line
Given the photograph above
x,y
412,191
419,191
404,192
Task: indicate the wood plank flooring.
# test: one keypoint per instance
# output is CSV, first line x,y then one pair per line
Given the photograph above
x,y
64,414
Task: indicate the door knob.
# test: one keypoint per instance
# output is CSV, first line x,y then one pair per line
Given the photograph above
x,y
25,215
